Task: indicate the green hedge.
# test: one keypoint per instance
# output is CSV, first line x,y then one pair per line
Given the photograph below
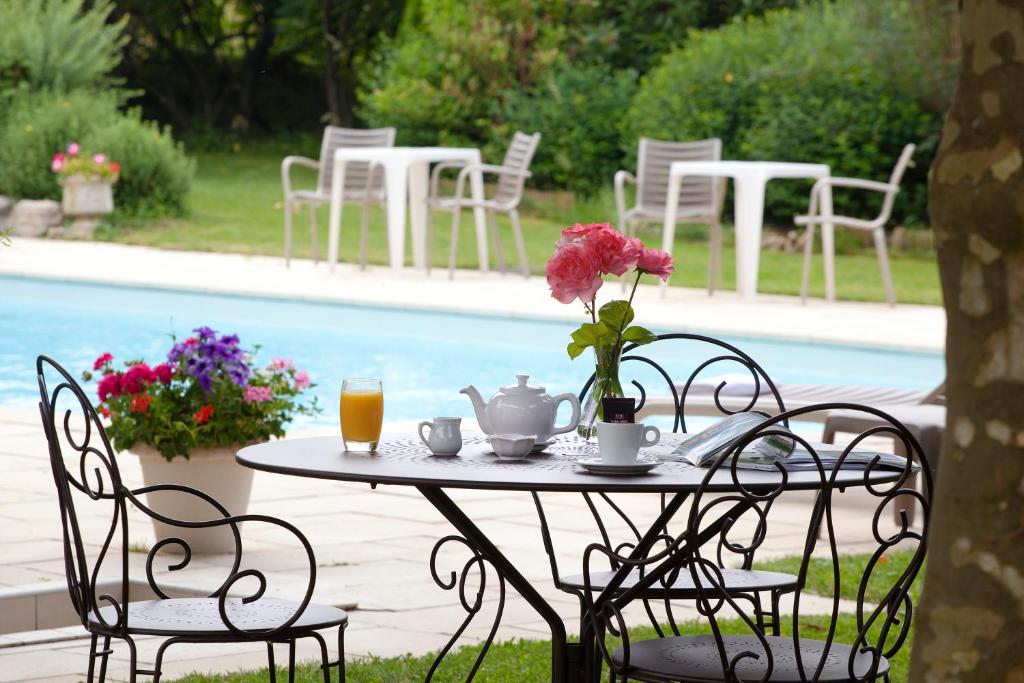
x,y
578,111
155,174
795,85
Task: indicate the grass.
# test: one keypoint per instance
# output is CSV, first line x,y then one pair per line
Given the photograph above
x,y
236,207
851,568
515,661
528,660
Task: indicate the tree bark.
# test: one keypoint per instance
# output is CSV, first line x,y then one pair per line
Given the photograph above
x,y
971,623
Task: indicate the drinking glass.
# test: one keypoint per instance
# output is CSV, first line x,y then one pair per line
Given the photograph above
x,y
362,414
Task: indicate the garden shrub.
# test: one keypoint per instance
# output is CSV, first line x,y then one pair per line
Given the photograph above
x,y
55,44
796,85
155,174
577,108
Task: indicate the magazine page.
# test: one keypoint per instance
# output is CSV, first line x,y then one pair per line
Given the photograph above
x,y
704,446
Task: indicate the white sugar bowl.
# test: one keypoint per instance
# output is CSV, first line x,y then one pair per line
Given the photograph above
x,y
511,446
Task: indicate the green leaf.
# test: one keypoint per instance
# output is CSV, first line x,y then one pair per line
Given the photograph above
x,y
574,350
638,335
616,314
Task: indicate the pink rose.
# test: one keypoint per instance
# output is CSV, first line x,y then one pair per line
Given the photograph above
x,y
611,250
99,158
73,148
656,262
580,231
572,273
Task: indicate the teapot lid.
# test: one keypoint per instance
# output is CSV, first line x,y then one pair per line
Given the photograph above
x,y
522,387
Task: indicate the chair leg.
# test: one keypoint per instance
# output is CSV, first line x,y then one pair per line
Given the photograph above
x,y
430,237
499,252
314,237
883,262
517,232
133,662
325,661
805,280
103,659
341,653
271,665
453,251
291,661
364,235
715,256
92,658
287,232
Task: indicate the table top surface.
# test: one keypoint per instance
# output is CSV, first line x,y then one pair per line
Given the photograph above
x,y
731,167
428,153
402,459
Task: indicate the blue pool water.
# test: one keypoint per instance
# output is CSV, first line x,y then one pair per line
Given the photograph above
x,y
423,358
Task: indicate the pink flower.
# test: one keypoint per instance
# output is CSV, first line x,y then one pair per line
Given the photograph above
x,y
102,360
281,364
255,394
579,231
58,162
99,158
611,250
73,148
109,386
301,380
572,273
656,262
136,378
164,373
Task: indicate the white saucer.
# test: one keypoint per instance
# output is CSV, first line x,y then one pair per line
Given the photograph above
x,y
537,447
643,465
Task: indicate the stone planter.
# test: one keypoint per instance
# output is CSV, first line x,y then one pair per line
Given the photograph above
x,y
210,470
85,200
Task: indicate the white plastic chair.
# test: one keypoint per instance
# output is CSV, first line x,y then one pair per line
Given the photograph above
x,y
875,226
700,198
512,175
364,182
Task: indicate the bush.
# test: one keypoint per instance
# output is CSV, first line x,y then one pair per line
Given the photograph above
x,y
155,174
578,111
795,85
54,44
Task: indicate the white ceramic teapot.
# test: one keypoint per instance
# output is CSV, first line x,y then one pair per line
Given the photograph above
x,y
522,409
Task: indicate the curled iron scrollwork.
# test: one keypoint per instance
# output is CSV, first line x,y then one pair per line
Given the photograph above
x,y
475,564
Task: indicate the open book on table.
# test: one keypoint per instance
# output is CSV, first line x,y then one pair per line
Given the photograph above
x,y
762,453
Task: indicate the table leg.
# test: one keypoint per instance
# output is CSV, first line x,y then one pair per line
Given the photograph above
x,y
507,572
334,229
418,212
396,181
668,233
828,248
476,189
749,217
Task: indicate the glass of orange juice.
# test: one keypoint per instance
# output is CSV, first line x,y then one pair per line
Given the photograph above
x,y
362,414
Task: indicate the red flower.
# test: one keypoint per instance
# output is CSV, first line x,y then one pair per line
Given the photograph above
x,y
102,360
110,385
163,372
191,341
202,416
136,378
115,167
104,411
140,403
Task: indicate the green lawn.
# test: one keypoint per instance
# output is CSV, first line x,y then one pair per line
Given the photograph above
x,y
820,578
516,661
236,207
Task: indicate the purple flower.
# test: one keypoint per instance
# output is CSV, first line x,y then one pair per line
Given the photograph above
x,y
208,358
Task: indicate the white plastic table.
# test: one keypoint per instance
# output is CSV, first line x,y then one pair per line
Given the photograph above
x,y
750,178
406,172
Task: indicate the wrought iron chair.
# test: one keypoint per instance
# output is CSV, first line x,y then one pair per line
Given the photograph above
x,y
73,428
364,182
512,175
700,199
742,581
738,650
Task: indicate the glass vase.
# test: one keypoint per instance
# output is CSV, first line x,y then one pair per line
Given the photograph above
x,y
606,383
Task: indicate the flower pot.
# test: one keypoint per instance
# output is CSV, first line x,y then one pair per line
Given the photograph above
x,y
84,196
210,470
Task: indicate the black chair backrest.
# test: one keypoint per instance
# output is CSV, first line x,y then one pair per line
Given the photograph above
x,y
75,435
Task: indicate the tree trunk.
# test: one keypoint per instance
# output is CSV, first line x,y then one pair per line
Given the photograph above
x,y
971,623
330,64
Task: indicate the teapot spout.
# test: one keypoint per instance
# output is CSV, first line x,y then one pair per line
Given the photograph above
x,y
479,407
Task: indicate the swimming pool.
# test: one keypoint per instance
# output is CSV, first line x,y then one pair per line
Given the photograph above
x,y
423,358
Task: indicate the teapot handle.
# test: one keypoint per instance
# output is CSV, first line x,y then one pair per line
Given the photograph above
x,y
575,419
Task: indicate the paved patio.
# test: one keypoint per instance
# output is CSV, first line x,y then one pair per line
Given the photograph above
x,y
372,545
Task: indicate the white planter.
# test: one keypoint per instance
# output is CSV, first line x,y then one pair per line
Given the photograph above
x,y
84,196
210,470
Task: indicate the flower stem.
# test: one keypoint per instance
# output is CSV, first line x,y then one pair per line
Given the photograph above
x,y
622,327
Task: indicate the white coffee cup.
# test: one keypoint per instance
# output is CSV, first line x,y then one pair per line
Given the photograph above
x,y
445,435
619,442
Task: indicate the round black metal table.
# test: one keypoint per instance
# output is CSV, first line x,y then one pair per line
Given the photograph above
x,y
403,460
